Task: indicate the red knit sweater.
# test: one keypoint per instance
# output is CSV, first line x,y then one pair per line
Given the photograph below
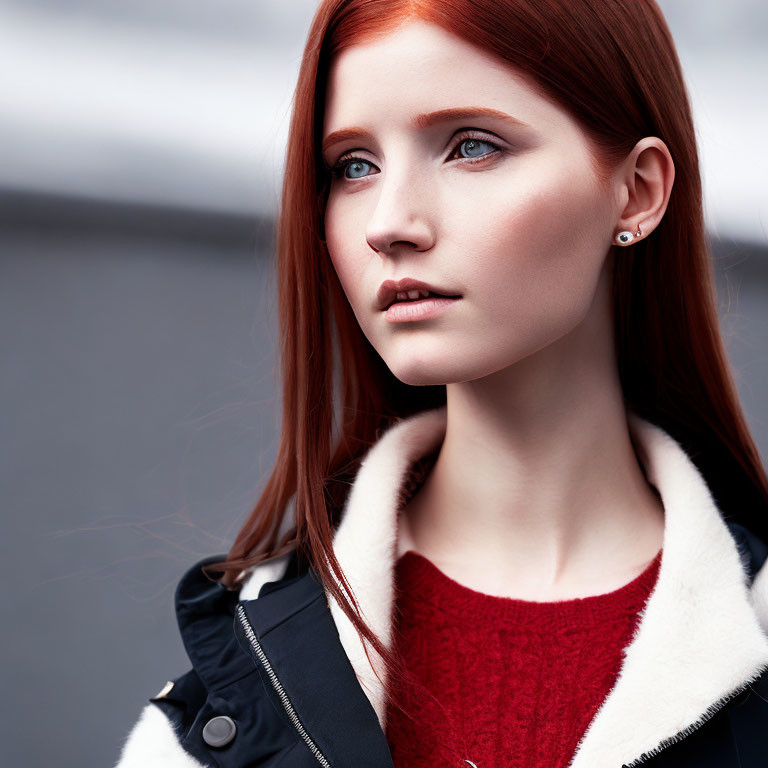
x,y
514,682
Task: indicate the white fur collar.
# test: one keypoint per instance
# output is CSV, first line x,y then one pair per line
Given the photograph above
x,y
703,632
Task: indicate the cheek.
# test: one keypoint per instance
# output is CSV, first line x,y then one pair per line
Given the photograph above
x,y
341,239
538,249
351,259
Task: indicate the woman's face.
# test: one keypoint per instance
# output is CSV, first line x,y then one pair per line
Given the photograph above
x,y
500,208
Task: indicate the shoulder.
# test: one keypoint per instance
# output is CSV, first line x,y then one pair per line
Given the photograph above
x,y
203,707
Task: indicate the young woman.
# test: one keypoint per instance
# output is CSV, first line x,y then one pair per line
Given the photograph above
x,y
528,522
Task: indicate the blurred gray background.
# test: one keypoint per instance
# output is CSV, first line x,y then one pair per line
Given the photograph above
x,y
140,148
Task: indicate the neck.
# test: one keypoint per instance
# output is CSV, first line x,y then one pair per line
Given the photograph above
x,y
536,492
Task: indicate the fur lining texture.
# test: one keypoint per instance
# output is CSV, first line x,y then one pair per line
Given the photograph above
x,y
153,743
702,635
260,575
365,543
760,596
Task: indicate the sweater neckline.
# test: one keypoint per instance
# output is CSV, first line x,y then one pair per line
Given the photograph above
x,y
420,580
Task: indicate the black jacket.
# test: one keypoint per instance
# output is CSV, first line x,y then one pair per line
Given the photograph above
x,y
278,676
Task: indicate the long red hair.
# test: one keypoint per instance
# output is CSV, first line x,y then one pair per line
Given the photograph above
x,y
613,66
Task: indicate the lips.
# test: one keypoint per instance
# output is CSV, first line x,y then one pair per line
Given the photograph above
x,y
388,290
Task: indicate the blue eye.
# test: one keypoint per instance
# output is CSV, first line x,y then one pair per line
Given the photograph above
x,y
470,149
355,165
473,147
357,169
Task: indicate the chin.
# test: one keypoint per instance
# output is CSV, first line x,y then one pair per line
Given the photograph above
x,y
417,377
422,372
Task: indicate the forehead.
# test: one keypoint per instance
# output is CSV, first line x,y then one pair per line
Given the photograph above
x,y
420,67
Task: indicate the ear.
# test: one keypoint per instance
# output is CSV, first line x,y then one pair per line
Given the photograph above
x,y
644,184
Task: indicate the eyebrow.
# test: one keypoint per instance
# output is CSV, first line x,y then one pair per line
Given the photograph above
x,y
424,120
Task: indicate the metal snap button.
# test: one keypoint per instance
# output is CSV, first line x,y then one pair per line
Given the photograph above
x,y
219,731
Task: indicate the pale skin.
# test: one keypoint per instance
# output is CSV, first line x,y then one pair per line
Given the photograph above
x,y
537,493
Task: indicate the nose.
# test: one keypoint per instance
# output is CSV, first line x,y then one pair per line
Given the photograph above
x,y
403,216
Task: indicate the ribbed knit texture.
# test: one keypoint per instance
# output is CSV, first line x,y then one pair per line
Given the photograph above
x,y
515,682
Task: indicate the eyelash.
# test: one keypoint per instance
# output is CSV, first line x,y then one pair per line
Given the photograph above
x,y
340,167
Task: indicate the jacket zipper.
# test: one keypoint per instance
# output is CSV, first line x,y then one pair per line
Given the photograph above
x,y
644,758
708,715
277,685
